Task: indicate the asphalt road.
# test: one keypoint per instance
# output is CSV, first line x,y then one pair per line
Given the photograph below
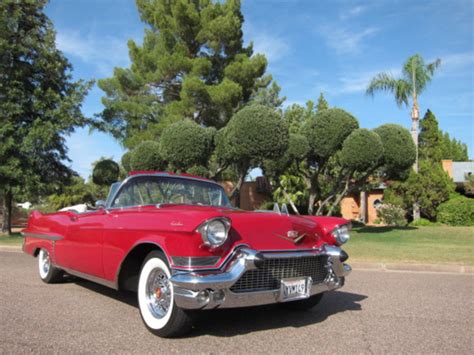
x,y
376,312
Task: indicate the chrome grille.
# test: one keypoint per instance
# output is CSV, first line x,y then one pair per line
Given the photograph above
x,y
273,270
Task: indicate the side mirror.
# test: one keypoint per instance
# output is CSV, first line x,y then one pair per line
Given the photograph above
x,y
100,204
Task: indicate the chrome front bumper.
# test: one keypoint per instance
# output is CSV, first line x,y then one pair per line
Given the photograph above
x,y
209,290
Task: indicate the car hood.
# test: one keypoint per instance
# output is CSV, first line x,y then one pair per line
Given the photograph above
x,y
260,230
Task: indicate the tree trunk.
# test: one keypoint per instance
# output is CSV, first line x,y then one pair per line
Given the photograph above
x,y
363,207
414,133
312,200
7,212
235,196
289,201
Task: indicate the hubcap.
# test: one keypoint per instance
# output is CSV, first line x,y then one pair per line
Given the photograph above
x,y
45,262
158,293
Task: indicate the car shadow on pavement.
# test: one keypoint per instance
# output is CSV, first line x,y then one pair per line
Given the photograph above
x,y
238,321
127,297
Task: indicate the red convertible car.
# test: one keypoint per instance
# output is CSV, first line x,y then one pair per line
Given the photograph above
x,y
177,242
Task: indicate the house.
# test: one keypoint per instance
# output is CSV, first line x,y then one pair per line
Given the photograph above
x,y
363,206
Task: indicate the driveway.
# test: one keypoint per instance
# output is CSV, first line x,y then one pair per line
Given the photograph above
x,y
376,312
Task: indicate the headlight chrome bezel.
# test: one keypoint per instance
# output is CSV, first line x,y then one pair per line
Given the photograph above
x,y
341,234
212,241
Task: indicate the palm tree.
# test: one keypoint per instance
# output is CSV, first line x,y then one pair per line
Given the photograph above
x,y
415,77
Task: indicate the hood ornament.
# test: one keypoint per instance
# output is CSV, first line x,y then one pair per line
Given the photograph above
x,y
292,236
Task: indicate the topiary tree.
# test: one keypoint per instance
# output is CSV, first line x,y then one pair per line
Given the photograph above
x,y
355,154
326,132
185,144
339,158
105,172
288,188
146,156
126,161
399,151
253,134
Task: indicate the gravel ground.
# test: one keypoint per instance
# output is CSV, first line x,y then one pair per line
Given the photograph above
x,y
375,312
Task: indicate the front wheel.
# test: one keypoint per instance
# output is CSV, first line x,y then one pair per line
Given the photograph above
x,y
48,273
158,310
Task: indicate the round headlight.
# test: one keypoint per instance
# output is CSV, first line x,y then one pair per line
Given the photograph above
x,y
341,234
214,232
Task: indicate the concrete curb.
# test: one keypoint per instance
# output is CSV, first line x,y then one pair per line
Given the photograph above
x,y
11,248
360,265
456,269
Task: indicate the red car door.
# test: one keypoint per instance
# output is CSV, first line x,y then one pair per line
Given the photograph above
x,y
81,249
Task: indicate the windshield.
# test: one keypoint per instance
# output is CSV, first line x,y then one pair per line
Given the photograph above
x,y
153,190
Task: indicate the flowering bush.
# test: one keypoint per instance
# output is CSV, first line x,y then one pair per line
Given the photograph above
x,y
391,215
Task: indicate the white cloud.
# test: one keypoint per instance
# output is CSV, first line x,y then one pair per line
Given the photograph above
x,y
456,62
352,12
274,48
353,82
103,52
344,40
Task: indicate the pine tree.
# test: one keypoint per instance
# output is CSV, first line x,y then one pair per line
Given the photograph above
x,y
322,103
39,103
430,139
192,64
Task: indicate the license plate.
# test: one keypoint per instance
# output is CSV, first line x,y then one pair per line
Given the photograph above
x,y
295,288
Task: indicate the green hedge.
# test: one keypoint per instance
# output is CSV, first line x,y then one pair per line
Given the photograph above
x,y
457,212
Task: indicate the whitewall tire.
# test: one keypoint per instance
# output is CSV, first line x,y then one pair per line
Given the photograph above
x,y
156,299
47,271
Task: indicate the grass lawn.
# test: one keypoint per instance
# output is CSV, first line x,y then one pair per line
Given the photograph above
x,y
14,239
426,245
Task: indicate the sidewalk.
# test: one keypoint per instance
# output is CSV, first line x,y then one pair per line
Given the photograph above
x,y
358,265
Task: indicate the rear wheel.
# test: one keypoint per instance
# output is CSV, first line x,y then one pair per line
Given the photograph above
x,y
158,310
302,305
48,273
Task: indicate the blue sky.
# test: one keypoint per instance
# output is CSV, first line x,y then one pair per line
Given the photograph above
x,y
334,47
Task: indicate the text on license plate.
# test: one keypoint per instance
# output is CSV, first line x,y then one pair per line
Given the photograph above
x,y
295,288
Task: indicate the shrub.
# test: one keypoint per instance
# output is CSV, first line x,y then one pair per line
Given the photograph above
x,y
198,170
185,144
457,212
146,156
126,158
361,150
253,134
105,172
422,222
327,130
399,151
391,215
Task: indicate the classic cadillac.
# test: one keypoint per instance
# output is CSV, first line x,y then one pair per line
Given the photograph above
x,y
177,241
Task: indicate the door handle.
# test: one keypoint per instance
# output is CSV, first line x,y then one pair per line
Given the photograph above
x,y
73,218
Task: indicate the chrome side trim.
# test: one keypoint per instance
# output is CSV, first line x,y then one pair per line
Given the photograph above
x,y
91,278
192,261
223,265
53,237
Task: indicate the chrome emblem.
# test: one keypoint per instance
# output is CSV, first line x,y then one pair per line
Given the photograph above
x,y
292,236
